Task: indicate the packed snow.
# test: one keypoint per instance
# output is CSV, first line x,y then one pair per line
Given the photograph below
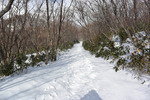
x,y
77,75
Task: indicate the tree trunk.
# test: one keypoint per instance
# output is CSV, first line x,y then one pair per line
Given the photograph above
x,y
60,26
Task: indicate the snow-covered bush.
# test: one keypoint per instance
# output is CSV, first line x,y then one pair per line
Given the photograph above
x,y
23,61
140,56
35,59
20,62
126,55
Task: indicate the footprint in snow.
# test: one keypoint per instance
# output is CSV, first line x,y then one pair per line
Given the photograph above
x,y
44,97
48,88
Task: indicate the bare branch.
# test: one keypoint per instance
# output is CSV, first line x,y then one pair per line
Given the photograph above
x,y
7,8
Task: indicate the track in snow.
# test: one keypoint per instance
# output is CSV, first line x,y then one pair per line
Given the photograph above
x,y
77,75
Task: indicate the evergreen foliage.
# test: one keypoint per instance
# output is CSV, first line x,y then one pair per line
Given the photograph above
x,y
67,45
7,68
137,60
122,34
20,63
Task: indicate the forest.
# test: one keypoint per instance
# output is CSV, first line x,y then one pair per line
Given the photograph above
x,y
39,29
74,49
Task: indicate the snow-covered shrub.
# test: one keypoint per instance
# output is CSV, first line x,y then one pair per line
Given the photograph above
x,y
20,62
23,61
35,59
121,62
128,55
102,47
138,58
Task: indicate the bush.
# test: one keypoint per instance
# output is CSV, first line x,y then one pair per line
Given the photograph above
x,y
123,35
104,48
7,68
121,62
20,62
137,61
67,45
76,41
86,44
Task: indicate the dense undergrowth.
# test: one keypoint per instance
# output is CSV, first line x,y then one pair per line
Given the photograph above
x,y
23,61
126,55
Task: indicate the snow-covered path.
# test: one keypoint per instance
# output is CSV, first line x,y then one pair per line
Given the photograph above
x,y
77,75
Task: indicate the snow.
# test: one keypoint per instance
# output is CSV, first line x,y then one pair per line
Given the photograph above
x,y
117,41
140,35
116,38
77,75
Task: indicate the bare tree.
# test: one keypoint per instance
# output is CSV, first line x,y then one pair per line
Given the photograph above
x,y
7,8
60,26
147,2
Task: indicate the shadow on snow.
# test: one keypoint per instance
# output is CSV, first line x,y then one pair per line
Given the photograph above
x,y
91,95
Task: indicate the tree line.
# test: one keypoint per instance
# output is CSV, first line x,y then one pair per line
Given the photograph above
x,y
101,20
32,26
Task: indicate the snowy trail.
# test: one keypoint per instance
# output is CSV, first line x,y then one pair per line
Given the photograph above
x,y
77,75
